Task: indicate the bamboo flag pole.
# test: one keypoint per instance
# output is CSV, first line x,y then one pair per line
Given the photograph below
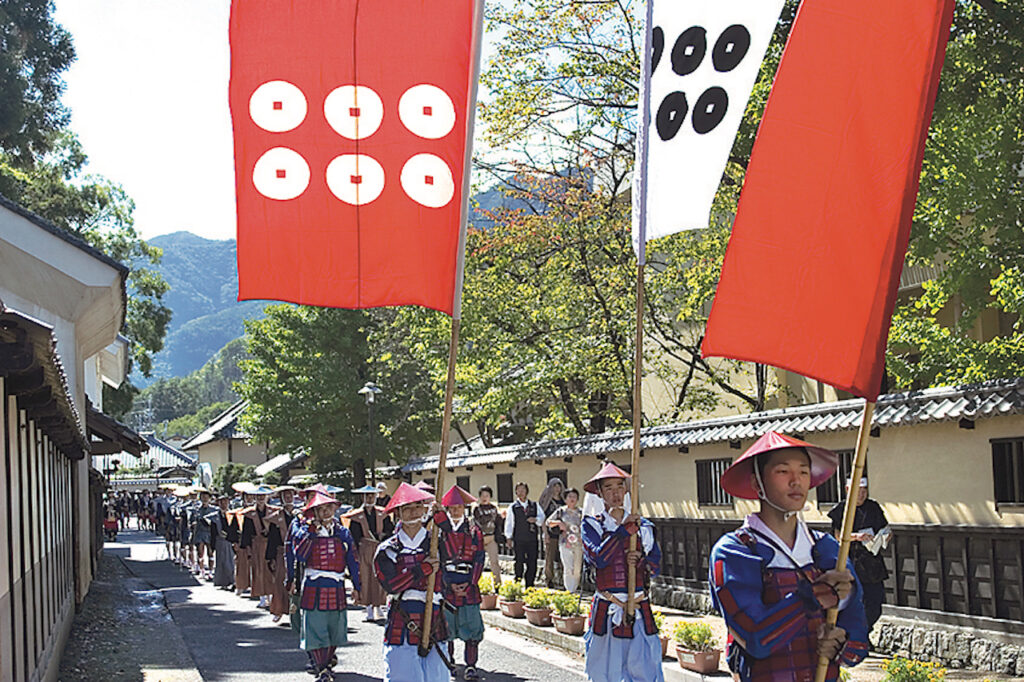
x,y
446,422
426,635
848,514
638,361
641,260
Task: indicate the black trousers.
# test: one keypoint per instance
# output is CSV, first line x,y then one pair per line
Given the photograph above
x,y
526,560
874,597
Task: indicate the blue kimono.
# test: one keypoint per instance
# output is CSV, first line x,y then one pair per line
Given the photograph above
x,y
773,608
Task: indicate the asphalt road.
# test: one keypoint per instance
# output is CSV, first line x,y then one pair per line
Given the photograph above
x,y
231,640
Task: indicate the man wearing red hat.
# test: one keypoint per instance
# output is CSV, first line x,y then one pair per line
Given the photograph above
x,y
617,649
462,561
326,548
404,567
774,578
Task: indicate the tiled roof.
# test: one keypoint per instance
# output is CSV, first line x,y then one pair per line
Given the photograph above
x,y
977,401
166,456
125,482
281,463
221,427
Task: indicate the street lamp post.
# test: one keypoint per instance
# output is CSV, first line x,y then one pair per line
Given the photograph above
x,y
369,391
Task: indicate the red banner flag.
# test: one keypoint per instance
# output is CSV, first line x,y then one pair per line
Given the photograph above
x,y
813,265
351,122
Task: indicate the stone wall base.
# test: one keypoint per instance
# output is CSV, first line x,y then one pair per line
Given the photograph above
x,y
953,646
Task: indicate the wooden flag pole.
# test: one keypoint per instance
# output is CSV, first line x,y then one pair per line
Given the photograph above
x,y
848,513
638,365
446,424
641,261
426,634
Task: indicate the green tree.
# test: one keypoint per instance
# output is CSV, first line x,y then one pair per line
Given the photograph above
x,y
190,424
563,92
34,53
230,473
969,218
193,398
302,379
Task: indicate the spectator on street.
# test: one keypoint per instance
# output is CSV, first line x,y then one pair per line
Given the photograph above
x,y
550,500
486,517
568,519
869,523
521,525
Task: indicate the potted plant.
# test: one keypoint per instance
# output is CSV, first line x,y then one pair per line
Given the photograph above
x,y
538,606
695,647
568,616
511,603
488,597
659,622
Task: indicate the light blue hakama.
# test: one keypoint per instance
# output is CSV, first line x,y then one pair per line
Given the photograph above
x,y
615,659
403,663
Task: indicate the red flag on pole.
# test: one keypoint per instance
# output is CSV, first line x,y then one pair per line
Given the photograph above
x,y
813,265
351,125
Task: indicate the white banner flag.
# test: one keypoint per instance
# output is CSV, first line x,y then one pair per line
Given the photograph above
x,y
704,58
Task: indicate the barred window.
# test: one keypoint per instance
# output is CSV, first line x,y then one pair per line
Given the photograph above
x,y
709,492
462,482
832,491
560,474
505,493
1008,470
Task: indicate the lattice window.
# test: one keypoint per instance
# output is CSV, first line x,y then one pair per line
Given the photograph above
x,y
709,492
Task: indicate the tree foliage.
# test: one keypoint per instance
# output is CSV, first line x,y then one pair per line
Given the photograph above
x,y
34,53
302,379
562,102
969,218
229,473
179,404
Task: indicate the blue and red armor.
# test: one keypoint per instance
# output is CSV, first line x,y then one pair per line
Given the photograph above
x,y
462,558
605,549
325,557
403,571
773,613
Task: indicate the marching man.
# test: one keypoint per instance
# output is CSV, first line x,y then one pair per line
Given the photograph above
x,y
774,578
280,520
462,557
404,566
255,535
369,525
326,548
618,650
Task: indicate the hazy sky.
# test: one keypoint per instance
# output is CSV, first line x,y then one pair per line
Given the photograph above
x,y
148,96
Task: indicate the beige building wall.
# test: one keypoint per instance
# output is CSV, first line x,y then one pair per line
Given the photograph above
x,y
934,473
220,452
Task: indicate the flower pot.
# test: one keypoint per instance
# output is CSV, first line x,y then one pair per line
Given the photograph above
x,y
664,645
698,661
512,609
488,602
570,625
539,617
